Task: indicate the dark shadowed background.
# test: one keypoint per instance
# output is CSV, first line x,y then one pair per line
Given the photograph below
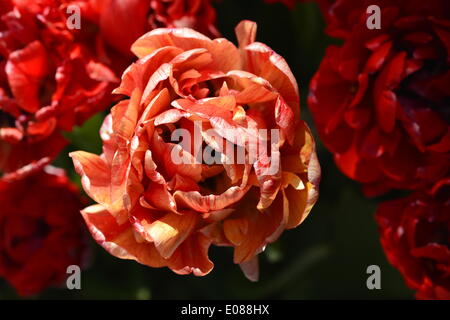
x,y
324,258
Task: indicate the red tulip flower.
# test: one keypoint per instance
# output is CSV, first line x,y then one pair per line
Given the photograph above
x,y
120,23
381,100
41,231
415,234
162,212
49,81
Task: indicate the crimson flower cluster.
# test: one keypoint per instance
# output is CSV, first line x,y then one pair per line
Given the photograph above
x,y
415,235
113,41
41,230
48,82
381,104
53,77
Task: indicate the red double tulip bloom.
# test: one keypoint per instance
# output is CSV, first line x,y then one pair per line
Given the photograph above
x,y
415,234
120,23
163,213
49,81
380,101
41,231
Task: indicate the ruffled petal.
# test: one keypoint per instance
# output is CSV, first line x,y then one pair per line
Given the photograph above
x,y
225,55
96,180
119,240
195,201
25,69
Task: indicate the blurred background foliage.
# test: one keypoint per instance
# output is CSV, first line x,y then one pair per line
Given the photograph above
x,y
324,258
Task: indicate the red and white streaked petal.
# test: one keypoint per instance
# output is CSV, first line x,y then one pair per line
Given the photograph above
x,y
120,240
224,53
